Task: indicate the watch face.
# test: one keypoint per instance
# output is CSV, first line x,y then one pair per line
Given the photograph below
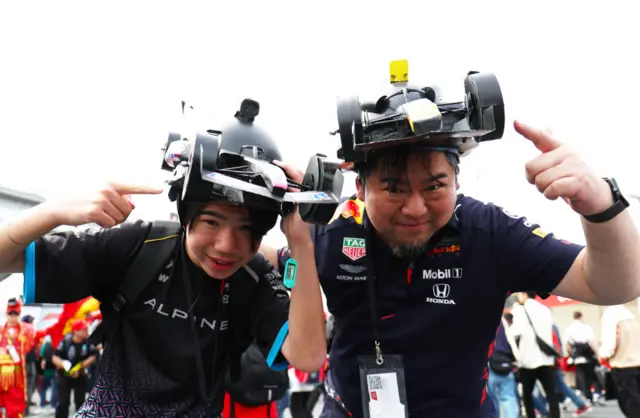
x,y
613,185
615,190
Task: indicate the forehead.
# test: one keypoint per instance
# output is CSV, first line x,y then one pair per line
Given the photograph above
x,y
225,210
415,165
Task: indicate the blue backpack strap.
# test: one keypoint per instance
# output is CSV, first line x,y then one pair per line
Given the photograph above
x,y
153,255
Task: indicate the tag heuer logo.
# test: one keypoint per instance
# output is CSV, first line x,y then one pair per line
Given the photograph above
x,y
354,248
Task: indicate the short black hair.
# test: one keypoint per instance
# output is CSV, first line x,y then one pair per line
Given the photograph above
x,y
395,160
532,295
577,315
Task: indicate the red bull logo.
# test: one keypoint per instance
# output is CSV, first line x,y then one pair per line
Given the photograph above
x,y
351,209
453,248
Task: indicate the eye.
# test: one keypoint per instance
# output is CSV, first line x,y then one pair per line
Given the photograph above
x,y
393,189
436,186
211,222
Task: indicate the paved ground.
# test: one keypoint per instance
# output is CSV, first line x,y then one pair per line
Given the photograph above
x,y
610,410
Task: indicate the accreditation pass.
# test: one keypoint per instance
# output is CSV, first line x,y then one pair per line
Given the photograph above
x,y
384,397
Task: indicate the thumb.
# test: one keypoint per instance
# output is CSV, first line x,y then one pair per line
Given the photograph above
x,y
541,138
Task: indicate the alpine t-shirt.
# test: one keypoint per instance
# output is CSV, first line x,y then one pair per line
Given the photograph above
x,y
150,360
439,311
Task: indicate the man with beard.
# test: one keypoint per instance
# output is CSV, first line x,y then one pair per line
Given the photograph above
x,y
416,275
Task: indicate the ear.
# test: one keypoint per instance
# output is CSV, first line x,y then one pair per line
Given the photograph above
x,y
457,184
256,245
359,189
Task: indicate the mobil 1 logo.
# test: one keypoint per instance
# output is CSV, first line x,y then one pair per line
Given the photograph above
x,y
442,274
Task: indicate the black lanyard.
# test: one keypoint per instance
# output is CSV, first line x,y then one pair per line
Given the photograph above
x,y
371,290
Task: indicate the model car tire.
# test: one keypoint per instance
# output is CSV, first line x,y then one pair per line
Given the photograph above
x,y
350,125
203,155
323,176
484,93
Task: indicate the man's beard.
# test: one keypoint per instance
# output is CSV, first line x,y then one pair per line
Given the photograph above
x,y
409,250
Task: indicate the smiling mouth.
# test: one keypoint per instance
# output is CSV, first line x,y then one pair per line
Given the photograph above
x,y
222,262
413,225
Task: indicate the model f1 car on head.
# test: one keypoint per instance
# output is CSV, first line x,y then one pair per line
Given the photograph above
x,y
204,165
416,114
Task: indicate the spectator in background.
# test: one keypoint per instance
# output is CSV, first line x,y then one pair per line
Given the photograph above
x,y
621,347
48,373
532,323
582,348
72,357
566,394
502,385
31,364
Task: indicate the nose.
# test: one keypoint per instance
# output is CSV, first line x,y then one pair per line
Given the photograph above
x,y
226,241
414,206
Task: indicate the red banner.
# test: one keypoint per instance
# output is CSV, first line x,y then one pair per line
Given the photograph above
x,y
553,301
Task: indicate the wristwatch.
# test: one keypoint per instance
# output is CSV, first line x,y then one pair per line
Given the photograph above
x,y
619,204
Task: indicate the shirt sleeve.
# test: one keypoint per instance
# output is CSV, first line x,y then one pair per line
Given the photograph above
x,y
534,260
270,313
65,267
591,336
518,324
92,351
609,335
60,351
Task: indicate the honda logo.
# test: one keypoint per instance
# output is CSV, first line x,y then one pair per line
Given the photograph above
x,y
441,290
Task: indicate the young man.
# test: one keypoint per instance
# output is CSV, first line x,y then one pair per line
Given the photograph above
x,y
167,352
411,268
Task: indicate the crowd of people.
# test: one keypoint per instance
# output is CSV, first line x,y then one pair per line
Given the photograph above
x,y
530,357
31,364
414,273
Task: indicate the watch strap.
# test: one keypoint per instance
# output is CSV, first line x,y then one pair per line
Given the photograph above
x,y
620,204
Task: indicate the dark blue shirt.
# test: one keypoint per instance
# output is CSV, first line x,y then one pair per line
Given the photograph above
x,y
501,343
439,311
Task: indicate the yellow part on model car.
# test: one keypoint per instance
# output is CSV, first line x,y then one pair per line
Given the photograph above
x,y
399,71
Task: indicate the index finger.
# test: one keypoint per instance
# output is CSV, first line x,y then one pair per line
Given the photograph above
x,y
122,189
541,138
293,173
